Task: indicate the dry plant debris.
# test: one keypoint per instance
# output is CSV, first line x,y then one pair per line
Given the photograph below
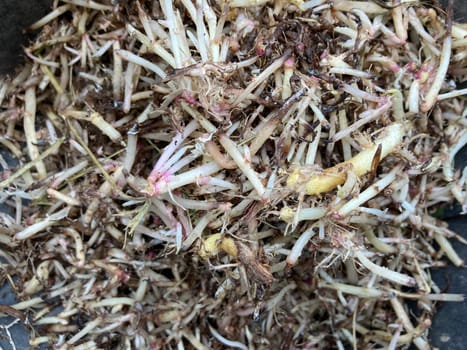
x,y
247,174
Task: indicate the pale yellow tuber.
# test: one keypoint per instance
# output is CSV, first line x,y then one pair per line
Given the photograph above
x,y
328,179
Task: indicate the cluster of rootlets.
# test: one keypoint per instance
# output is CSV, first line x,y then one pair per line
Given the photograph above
x,y
246,174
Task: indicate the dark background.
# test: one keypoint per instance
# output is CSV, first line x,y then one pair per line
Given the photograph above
x,y
449,325
14,17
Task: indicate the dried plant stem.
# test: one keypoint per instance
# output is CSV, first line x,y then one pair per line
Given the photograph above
x,y
231,148
432,94
128,56
448,249
377,243
365,117
229,343
298,247
290,215
79,246
25,168
188,177
399,26
108,178
218,157
117,73
112,302
452,94
86,329
354,290
369,193
42,225
63,197
98,121
394,276
154,46
419,342
36,283
30,131
266,130
261,78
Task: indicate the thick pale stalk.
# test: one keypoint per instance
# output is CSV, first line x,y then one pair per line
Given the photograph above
x,y
432,94
30,131
384,272
239,159
369,193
